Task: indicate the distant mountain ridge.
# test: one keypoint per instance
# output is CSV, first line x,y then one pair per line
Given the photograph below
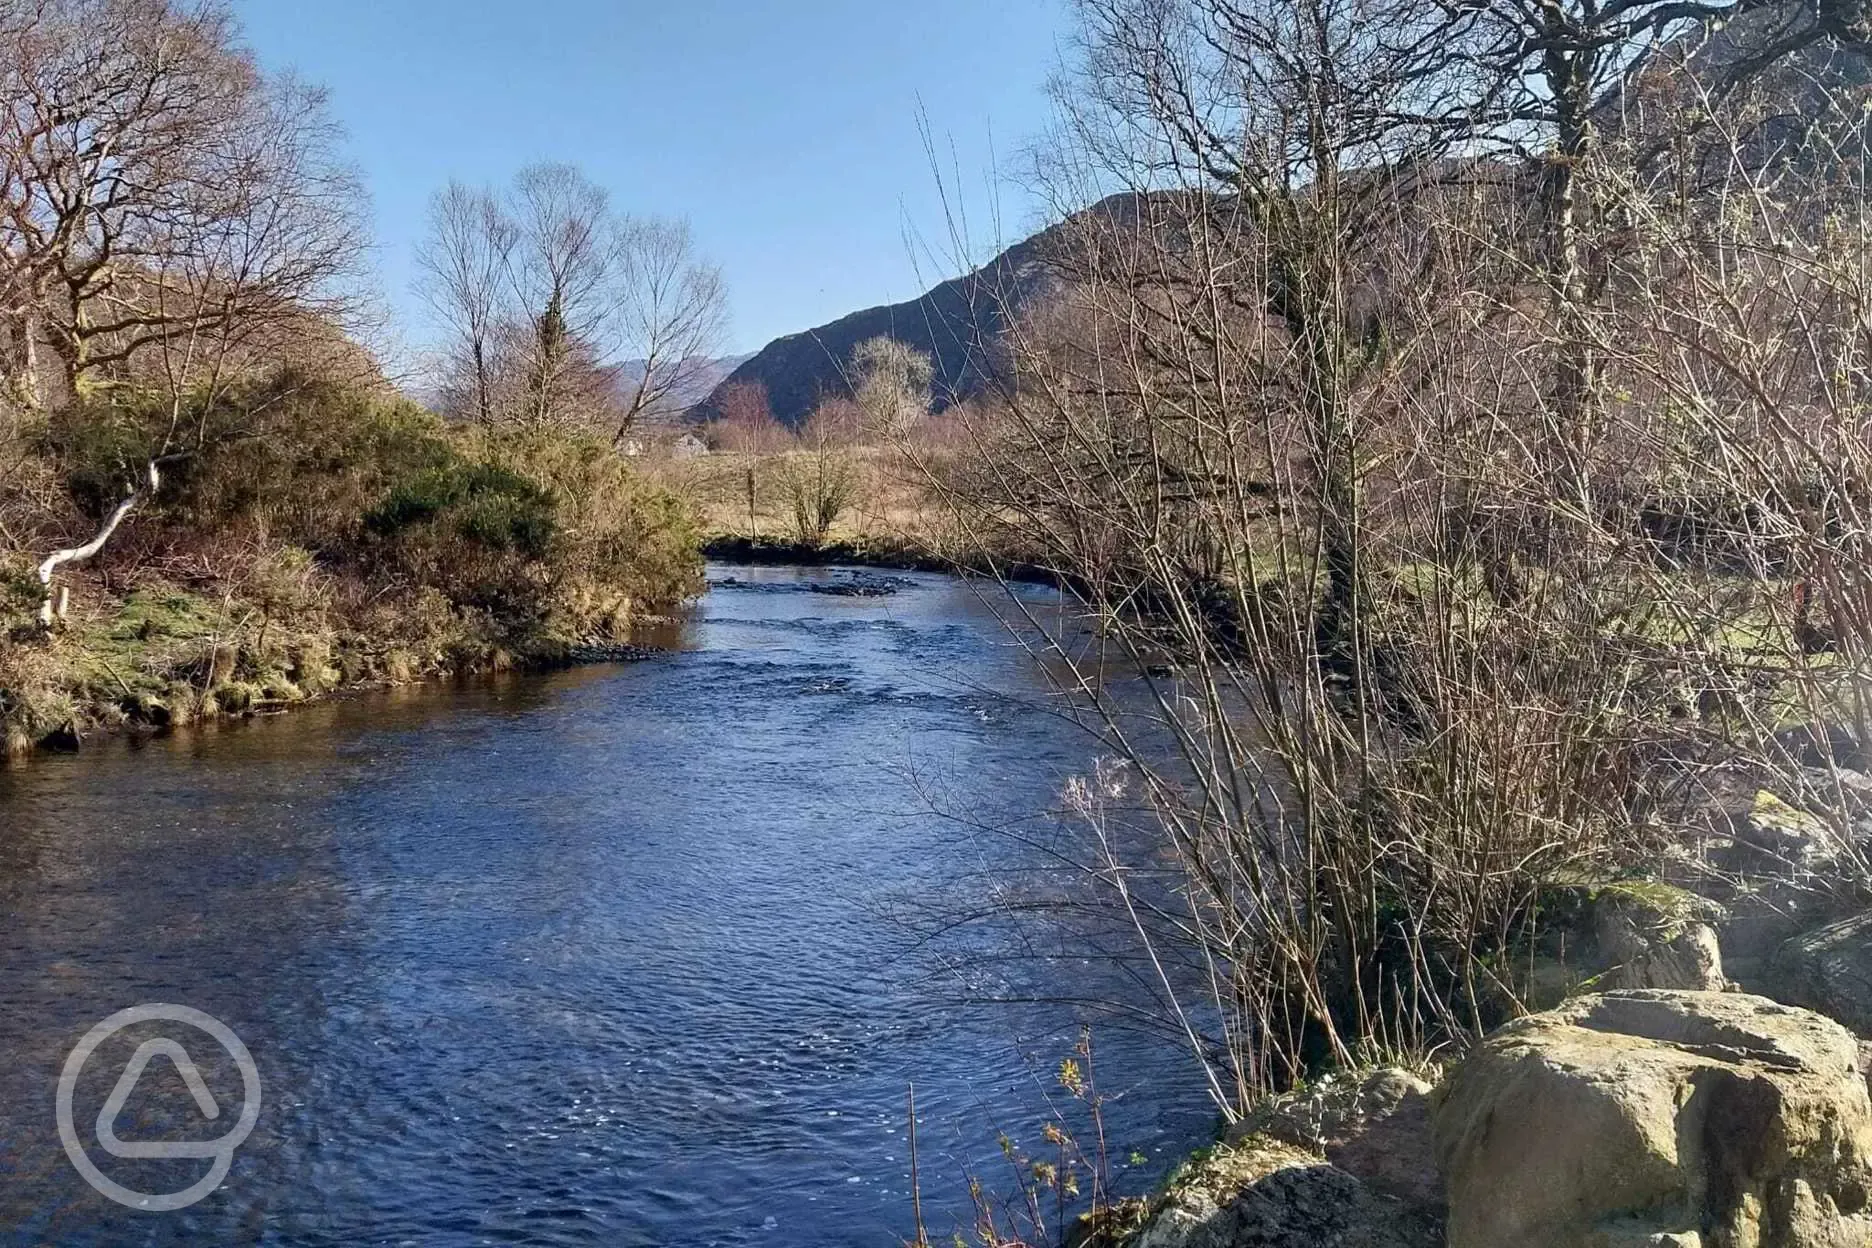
x,y
961,324
696,386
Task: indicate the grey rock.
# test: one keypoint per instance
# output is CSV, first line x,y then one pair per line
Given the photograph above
x,y
1645,946
1375,1127
1260,1193
1828,969
1659,1118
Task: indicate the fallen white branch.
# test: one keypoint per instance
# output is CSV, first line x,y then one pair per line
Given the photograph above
x,y
78,554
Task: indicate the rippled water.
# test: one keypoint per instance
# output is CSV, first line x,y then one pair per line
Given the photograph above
x,y
607,957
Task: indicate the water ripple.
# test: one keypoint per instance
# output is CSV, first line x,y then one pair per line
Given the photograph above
x,y
590,959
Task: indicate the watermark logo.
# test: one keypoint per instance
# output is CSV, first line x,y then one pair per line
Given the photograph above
x,y
221,1151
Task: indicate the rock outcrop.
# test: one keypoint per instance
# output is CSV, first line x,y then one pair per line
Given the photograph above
x,y
1346,1163
1375,1127
1830,970
1647,943
1647,1117
1625,933
1782,832
1262,1193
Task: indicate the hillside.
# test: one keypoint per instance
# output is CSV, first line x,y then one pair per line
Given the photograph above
x,y
960,324
697,384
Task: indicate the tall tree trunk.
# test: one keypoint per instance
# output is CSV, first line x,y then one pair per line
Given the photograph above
x,y
23,378
1569,68
483,407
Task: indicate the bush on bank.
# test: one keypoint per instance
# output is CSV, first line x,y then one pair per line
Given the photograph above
x,y
318,533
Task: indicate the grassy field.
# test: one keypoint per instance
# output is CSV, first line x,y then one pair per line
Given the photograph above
x,y
738,494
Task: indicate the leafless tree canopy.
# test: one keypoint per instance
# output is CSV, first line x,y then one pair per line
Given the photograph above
x,y
169,216
671,313
891,384
560,310
747,422
156,188
463,270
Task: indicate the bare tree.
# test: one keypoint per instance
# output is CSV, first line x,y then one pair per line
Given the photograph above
x,y
820,477
560,309
166,213
1304,386
1269,148
1560,73
747,422
891,381
564,264
154,187
463,265
671,313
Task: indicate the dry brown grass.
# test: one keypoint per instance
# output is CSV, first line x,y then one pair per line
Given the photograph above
x,y
737,494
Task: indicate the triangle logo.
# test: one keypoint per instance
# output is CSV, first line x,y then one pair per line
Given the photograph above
x,y
126,1084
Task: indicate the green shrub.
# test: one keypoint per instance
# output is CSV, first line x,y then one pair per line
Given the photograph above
x,y
486,504
310,533
101,446
20,592
623,544
307,463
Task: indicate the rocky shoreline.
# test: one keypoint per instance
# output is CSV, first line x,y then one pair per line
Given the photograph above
x,y
1695,1076
1640,1118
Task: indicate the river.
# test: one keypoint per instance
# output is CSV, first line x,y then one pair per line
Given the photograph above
x,y
627,955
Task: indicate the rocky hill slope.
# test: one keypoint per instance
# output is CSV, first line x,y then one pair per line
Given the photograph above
x,y
960,324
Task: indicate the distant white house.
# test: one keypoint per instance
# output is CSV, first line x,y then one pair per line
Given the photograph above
x,y
688,446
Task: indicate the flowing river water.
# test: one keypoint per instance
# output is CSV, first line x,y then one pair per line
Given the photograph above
x,y
629,955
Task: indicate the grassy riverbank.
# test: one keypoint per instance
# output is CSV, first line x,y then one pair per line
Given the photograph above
x,y
763,508
325,536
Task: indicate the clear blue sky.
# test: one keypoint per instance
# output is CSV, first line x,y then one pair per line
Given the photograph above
x,y
785,130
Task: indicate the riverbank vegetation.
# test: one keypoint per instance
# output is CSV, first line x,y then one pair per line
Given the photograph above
x,y
1457,415
1454,418
843,486
319,534
211,499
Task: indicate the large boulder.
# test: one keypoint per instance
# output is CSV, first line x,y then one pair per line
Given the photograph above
x,y
1789,821
1626,933
1785,833
1762,916
1830,970
1655,1118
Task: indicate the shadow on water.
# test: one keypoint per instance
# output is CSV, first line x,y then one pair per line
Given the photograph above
x,y
588,958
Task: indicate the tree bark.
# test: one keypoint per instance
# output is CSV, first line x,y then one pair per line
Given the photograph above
x,y
483,407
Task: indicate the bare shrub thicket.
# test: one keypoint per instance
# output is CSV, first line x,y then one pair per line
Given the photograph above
x,y
746,423
1461,514
821,478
